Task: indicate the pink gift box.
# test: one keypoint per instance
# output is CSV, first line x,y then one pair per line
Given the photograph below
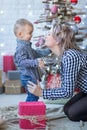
x,y
32,115
8,63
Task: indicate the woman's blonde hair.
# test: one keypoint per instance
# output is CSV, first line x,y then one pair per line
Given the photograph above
x,y
65,37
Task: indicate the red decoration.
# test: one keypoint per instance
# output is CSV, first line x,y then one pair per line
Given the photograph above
x,y
77,19
53,81
74,1
32,115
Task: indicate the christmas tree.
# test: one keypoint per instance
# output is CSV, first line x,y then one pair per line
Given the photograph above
x,y
62,11
65,11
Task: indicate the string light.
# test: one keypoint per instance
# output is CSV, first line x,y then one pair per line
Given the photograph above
x,y
2,29
2,45
86,6
30,13
3,53
1,12
29,6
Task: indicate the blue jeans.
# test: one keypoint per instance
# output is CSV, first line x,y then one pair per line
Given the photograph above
x,y
24,80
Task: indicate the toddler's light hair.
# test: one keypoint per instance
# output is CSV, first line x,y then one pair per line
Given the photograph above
x,y
21,23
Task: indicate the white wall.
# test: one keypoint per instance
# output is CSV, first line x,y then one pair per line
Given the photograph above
x,y
10,11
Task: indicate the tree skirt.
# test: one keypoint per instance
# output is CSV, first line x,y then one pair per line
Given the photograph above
x,y
56,120
8,118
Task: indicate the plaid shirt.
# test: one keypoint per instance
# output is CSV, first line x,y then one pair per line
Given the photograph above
x,y
25,58
73,74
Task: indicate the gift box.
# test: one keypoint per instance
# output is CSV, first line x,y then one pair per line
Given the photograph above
x,y
12,87
53,81
8,63
13,75
32,115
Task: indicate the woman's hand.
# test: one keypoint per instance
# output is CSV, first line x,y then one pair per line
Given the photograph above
x,y
35,88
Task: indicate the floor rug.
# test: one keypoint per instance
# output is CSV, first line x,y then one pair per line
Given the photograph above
x,y
9,118
56,120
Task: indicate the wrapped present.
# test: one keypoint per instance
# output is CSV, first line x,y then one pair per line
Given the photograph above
x,y
12,87
53,81
8,63
32,115
13,75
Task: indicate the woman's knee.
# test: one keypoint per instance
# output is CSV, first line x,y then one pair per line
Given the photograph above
x,y
69,113
65,108
72,118
72,115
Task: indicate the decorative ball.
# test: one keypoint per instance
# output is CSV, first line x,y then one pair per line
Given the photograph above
x,y
74,28
40,42
74,1
77,19
54,9
37,44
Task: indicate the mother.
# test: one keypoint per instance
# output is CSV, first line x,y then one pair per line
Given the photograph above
x,y
61,41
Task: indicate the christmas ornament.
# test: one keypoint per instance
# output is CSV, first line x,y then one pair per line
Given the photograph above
x,y
74,1
74,28
77,19
54,9
40,42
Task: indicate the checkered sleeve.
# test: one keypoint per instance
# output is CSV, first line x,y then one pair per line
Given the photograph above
x,y
69,70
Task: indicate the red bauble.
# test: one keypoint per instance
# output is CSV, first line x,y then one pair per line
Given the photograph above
x,y
77,19
74,1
